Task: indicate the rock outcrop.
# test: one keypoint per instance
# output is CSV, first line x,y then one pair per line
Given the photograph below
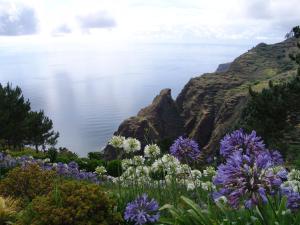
x,y
209,105
222,68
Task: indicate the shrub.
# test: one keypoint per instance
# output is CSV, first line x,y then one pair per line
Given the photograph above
x,y
95,155
8,210
28,152
114,168
52,154
27,183
72,203
66,156
89,164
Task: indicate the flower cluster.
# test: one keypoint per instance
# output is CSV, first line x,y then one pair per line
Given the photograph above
x,y
142,210
67,170
140,171
185,149
100,170
249,144
117,141
291,188
250,172
151,151
131,145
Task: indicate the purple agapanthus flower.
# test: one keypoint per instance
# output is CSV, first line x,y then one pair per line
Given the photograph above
x,y
142,211
293,199
70,170
185,149
248,179
238,140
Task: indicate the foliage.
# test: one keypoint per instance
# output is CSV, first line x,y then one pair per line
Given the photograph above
x,y
66,156
19,125
95,155
14,110
40,130
52,154
114,168
28,152
27,182
72,203
189,212
8,210
274,112
89,164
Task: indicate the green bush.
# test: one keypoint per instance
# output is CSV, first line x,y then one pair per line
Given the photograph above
x,y
27,183
72,203
66,156
95,155
28,152
89,164
114,168
52,154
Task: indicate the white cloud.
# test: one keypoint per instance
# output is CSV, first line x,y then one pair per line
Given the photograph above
x,y
174,20
62,30
17,19
100,19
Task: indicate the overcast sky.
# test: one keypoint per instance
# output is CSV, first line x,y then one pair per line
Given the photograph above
x,y
216,21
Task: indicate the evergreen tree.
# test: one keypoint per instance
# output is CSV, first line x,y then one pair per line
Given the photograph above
x,y
19,125
13,113
275,111
40,130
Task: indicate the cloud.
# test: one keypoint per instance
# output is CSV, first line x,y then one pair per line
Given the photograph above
x,y
100,19
17,19
61,30
258,9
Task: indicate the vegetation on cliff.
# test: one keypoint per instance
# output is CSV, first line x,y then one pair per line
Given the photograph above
x,y
19,125
210,105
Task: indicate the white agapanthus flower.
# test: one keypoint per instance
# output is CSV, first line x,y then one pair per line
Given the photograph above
x,y
294,175
167,163
207,186
47,160
131,145
196,174
183,170
117,141
126,163
292,184
138,160
209,171
151,151
100,170
190,186
222,200
142,171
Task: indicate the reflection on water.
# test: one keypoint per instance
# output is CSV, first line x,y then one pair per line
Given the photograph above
x,y
88,91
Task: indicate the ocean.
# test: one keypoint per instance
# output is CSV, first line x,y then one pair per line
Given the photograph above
x,y
88,89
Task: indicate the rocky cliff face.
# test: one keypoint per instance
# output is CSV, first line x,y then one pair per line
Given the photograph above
x,y
223,67
209,105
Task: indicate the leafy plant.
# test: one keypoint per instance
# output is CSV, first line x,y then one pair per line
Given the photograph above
x,y
89,164
72,203
27,182
189,212
114,168
8,210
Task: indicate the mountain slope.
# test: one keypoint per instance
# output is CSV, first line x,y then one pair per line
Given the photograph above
x,y
209,105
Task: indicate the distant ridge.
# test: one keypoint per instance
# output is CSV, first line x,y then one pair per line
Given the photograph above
x,y
209,105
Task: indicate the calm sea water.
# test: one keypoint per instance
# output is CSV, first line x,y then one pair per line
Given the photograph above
x,y
89,89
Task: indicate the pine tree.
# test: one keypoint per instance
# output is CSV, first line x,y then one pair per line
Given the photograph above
x,y
40,130
13,112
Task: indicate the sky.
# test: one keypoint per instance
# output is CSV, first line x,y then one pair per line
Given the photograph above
x,y
188,21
